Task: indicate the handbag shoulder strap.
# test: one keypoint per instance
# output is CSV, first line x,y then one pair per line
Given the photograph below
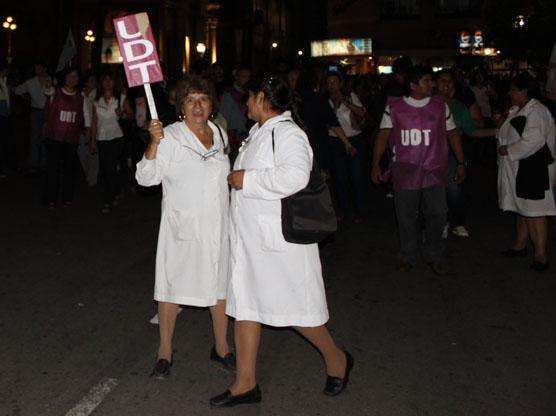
x,y
314,168
225,147
281,121
220,134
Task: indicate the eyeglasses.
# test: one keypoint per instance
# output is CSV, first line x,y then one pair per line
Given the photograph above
x,y
206,156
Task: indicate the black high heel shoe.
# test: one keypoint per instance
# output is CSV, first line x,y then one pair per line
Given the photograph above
x,y
227,399
161,369
335,385
539,266
228,362
511,253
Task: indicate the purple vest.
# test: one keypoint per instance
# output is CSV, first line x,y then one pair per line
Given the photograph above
x,y
420,144
64,117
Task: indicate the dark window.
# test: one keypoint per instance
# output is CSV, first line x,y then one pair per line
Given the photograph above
x,y
458,7
400,8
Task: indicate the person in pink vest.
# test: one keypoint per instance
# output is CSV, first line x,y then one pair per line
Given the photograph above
x,y
64,120
420,128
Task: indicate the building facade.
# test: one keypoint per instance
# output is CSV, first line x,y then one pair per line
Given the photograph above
x,y
427,31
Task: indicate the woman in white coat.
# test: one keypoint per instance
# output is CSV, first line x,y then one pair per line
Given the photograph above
x,y
190,159
526,169
272,281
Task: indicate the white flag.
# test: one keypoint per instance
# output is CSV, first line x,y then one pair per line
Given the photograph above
x,y
68,52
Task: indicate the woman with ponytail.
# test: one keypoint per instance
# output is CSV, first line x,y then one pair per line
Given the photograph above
x,y
272,281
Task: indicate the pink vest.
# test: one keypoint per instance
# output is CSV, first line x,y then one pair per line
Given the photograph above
x,y
420,144
64,117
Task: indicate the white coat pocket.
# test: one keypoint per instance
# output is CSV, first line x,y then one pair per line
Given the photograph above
x,y
184,225
270,229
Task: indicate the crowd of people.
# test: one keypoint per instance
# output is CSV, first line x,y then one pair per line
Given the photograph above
x,y
226,154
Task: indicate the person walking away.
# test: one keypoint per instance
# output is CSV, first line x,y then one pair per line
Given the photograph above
x,y
36,87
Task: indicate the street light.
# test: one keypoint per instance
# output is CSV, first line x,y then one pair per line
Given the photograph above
x,y
10,26
300,52
201,48
89,37
274,45
519,22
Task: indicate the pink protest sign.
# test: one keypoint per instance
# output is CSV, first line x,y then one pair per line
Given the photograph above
x,y
137,46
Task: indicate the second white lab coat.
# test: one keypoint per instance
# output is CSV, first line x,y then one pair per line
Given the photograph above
x,y
539,129
272,281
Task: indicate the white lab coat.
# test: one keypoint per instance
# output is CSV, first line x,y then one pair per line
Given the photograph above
x,y
272,281
192,259
539,129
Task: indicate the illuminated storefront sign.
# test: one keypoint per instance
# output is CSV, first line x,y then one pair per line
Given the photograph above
x,y
474,44
341,47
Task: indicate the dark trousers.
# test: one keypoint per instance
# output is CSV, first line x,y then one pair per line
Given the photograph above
x,y
349,176
455,194
37,155
455,197
62,162
109,153
431,202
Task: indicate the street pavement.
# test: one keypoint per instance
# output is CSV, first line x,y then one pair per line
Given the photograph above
x,y
76,299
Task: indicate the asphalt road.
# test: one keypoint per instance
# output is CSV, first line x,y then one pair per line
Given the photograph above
x,y
76,299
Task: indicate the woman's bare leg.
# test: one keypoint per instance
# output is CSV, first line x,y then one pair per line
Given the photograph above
x,y
522,233
167,313
538,230
247,338
334,357
220,327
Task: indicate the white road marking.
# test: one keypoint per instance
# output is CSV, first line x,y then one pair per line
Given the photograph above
x,y
94,397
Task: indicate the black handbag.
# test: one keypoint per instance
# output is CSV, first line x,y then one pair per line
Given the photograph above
x,y
308,216
532,179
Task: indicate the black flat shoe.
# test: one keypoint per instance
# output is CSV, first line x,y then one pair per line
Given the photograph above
x,y
228,362
227,399
539,266
511,253
335,385
161,369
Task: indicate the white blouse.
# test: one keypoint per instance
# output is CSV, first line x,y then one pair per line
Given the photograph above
x,y
108,127
343,114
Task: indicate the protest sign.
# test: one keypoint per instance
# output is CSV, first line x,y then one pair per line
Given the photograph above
x,y
138,50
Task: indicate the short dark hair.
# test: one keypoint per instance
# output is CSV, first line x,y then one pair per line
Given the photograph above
x,y
445,71
65,72
415,74
525,81
193,84
402,65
